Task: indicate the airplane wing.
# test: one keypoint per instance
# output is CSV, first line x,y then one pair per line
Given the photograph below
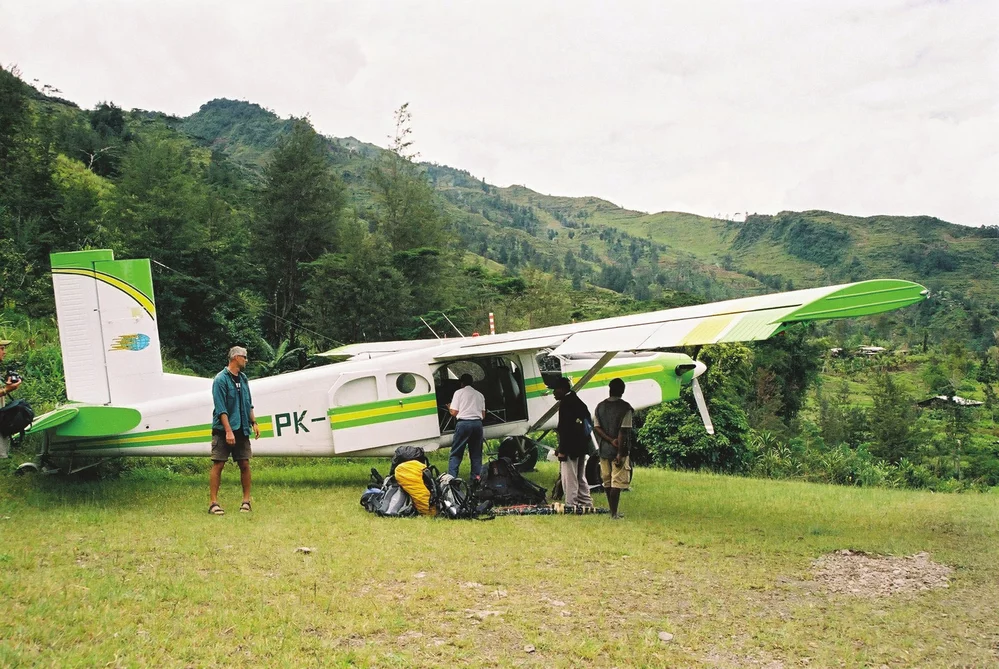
x,y
379,348
744,319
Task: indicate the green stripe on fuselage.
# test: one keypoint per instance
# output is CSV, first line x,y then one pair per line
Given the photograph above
x,y
191,434
369,413
384,418
653,369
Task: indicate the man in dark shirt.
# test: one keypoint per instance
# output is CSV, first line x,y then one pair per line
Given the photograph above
x,y
573,444
232,419
612,423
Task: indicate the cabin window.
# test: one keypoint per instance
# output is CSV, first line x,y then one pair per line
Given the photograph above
x,y
357,391
405,383
550,368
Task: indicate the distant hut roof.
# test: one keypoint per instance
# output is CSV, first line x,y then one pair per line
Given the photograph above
x,y
943,400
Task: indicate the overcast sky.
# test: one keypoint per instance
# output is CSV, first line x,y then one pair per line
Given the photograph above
x,y
857,106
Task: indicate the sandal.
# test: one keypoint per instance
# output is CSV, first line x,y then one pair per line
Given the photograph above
x,y
215,509
245,507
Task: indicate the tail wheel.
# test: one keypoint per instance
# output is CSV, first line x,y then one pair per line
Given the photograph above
x,y
26,468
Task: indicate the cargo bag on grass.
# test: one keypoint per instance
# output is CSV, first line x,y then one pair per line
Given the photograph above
x,y
407,454
15,418
393,500
420,483
503,485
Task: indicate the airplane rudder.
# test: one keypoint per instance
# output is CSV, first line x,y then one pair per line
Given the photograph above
x,y
108,332
78,318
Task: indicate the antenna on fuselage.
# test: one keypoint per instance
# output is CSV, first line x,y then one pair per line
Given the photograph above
x,y
430,328
452,324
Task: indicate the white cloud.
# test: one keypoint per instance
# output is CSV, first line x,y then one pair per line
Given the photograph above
x,y
858,106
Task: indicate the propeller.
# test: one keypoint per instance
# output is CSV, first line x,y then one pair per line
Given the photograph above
x,y
702,405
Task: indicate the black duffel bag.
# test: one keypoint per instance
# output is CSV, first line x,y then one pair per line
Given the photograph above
x,y
15,418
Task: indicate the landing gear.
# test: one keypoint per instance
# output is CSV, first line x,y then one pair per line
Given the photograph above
x,y
593,476
522,451
27,468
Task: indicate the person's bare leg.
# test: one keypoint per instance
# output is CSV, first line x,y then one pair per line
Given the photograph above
x,y
613,495
214,481
244,478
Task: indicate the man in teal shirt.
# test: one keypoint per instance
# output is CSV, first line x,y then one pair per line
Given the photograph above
x,y
232,419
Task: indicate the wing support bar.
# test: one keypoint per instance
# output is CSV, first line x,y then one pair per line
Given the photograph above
x,y
590,373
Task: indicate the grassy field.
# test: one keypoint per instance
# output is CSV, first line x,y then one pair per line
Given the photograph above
x,y
134,572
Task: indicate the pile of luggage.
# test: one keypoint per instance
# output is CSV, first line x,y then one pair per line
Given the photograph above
x,y
414,487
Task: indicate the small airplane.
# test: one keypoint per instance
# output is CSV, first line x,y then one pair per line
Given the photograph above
x,y
381,395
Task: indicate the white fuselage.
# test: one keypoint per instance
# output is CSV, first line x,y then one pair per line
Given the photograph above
x,y
366,407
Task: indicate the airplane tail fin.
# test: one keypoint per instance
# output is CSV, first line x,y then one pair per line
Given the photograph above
x,y
107,327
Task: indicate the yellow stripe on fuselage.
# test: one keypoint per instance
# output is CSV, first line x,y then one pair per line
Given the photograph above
x,y
337,417
159,437
619,373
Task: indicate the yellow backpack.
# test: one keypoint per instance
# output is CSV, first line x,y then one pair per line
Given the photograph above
x,y
420,483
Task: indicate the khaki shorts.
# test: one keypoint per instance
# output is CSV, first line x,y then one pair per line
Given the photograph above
x,y
616,475
239,451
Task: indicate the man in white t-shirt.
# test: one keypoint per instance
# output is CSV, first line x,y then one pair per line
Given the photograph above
x,y
469,407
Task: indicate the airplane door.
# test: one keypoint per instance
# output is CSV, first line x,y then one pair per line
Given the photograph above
x,y
375,410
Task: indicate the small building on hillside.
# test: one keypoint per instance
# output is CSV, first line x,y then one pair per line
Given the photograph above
x,y
942,401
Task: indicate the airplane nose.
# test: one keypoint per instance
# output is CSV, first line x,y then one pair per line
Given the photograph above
x,y
699,368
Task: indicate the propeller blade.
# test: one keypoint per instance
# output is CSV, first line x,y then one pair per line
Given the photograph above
x,y
702,406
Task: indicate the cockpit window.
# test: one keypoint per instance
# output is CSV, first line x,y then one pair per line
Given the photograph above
x,y
550,368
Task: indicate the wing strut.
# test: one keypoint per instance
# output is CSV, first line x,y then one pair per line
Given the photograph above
x,y
590,373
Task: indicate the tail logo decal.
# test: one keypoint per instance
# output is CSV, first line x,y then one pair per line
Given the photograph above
x,y
126,288
130,342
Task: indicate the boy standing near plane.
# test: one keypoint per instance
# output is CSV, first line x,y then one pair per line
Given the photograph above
x,y
232,418
468,406
612,423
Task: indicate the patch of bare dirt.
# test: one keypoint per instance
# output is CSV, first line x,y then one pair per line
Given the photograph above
x,y
862,575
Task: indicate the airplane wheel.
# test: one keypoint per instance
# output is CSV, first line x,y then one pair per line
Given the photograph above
x,y
593,471
521,451
26,468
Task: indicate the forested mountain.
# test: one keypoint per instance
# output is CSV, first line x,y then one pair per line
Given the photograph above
x,y
265,233
592,242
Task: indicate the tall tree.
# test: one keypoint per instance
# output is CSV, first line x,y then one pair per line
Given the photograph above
x,y
794,360
892,419
28,197
357,295
300,212
409,216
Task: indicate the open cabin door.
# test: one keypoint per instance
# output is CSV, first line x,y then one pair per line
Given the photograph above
x,y
375,409
500,379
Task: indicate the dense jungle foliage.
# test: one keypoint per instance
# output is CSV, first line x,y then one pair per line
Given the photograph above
x,y
265,233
